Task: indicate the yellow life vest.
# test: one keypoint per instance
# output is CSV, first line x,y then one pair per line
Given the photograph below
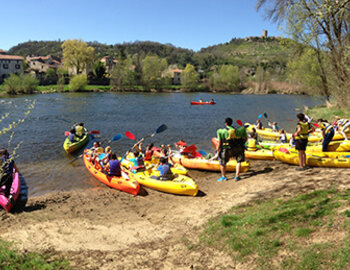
x,y
304,133
79,130
252,145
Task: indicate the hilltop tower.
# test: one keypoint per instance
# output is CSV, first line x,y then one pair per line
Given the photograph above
x,y
264,35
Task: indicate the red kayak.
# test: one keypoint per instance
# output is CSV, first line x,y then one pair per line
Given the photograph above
x,y
203,103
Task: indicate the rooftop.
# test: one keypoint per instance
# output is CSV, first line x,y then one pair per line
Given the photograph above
x,y
10,57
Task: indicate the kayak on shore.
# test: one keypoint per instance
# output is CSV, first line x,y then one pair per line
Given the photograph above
x,y
123,184
14,191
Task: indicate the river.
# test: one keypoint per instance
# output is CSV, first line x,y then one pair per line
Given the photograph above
x,y
45,165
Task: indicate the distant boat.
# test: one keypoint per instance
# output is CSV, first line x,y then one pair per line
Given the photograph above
x,y
203,102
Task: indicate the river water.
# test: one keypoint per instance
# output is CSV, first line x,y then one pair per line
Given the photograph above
x,y
45,165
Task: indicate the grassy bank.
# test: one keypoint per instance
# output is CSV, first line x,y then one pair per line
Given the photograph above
x,y
12,259
309,231
328,113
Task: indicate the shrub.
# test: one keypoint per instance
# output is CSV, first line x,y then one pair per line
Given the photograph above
x,y
78,82
20,84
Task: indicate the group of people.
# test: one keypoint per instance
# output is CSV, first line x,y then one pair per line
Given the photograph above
x,y
76,132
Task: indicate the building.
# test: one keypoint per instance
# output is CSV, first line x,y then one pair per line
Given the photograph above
x,y
10,64
38,65
108,62
176,76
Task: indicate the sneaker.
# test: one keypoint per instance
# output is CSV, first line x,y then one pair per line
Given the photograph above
x,y
305,168
237,178
300,169
222,179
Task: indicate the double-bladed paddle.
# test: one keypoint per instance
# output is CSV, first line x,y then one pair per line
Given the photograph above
x,y
66,133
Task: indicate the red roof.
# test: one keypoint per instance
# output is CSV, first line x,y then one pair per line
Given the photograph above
x,y
11,57
2,51
176,70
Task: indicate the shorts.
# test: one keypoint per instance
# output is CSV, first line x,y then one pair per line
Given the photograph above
x,y
238,153
224,156
301,144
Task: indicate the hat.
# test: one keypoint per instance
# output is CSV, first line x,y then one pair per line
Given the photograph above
x,y
181,143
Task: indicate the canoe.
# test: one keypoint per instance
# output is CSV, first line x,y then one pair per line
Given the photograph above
x,y
72,147
124,184
202,103
176,168
14,191
208,165
292,157
334,146
180,184
259,154
270,134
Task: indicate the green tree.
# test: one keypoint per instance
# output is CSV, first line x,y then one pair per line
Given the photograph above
x,y
98,69
226,78
77,55
123,75
78,83
152,70
51,76
189,78
325,25
25,84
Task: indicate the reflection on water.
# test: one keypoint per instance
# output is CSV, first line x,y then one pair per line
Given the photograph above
x,y
47,168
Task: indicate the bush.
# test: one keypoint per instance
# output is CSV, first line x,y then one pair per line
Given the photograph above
x,y
20,84
78,83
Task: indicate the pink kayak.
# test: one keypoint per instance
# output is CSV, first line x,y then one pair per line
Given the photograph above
x,y
15,188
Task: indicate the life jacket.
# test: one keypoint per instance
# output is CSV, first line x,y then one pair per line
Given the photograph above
x,y
148,155
343,122
328,128
140,162
79,130
305,126
252,145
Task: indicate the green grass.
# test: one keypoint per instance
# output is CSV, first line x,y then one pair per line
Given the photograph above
x,y
12,259
328,113
260,232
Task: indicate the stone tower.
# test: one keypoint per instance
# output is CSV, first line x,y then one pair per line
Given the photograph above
x,y
264,33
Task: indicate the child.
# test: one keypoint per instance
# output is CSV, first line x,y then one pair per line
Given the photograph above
x,y
254,134
138,162
283,136
258,124
274,126
113,166
164,170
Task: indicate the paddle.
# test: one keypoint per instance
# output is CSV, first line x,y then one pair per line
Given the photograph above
x,y
66,133
203,153
265,115
239,122
132,137
260,115
316,125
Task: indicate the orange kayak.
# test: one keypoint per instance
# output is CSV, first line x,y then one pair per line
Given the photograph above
x,y
120,183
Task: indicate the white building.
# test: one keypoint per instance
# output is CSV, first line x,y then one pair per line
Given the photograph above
x,y
10,64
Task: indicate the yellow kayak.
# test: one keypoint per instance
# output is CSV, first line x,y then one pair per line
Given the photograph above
x,y
312,160
337,146
270,134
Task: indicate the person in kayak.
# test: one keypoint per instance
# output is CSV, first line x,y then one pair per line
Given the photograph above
x,y
301,139
148,153
95,151
327,133
212,101
71,137
343,125
7,164
283,136
254,134
80,130
274,126
258,124
103,158
164,169
137,161
113,166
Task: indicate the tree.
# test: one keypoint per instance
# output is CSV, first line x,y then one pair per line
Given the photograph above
x,y
152,70
189,78
123,76
98,69
324,25
51,76
77,55
227,78
78,83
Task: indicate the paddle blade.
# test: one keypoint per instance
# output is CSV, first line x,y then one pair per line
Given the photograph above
x,y
161,129
203,153
94,132
260,115
117,137
129,135
316,125
239,122
265,115
66,133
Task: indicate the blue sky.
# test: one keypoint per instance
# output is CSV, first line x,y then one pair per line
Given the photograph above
x,y
192,24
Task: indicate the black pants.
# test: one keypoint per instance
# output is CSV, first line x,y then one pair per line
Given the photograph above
x,y
7,181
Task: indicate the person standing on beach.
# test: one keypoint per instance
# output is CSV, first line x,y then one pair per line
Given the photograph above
x,y
301,139
327,133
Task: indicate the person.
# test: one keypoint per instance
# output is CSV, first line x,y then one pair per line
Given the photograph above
x,y
212,101
258,124
343,125
283,136
180,145
103,158
113,166
71,137
95,151
301,139
239,137
164,169
79,130
327,133
137,160
274,126
148,152
254,134
6,172
200,100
